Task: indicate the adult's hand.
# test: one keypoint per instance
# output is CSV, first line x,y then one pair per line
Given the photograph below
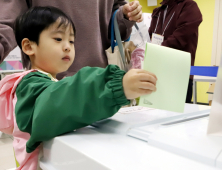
x,y
133,11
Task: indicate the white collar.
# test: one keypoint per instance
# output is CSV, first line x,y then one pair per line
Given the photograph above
x,y
48,74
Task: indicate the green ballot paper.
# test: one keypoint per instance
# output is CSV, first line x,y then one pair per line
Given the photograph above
x,y
172,68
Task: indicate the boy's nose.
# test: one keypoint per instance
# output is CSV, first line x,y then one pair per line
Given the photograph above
x,y
67,48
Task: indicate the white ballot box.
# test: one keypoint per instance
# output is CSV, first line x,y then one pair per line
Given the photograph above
x,y
108,145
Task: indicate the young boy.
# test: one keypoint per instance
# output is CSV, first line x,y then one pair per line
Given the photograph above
x,y
35,107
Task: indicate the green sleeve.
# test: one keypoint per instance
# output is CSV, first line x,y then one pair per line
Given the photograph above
x,y
74,102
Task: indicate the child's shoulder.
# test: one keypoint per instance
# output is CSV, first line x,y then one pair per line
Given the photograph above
x,y
36,75
34,78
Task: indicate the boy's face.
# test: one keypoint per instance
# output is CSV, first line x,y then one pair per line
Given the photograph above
x,y
55,52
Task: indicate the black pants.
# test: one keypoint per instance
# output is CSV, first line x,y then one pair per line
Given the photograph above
x,y
189,91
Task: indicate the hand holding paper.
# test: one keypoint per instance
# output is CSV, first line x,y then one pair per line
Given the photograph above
x,y
172,68
137,82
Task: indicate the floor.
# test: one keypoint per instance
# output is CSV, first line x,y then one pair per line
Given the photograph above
x,y
7,161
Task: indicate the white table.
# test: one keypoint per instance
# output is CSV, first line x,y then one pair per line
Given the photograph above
x,y
200,79
108,147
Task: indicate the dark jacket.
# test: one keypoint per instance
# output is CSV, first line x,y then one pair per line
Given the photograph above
x,y
182,31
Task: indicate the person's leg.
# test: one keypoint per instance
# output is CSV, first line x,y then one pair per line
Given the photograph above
x,y
189,91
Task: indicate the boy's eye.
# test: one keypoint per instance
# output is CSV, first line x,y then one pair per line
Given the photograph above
x,y
72,42
58,39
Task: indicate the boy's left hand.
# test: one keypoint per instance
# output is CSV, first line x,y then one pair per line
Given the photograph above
x,y
133,11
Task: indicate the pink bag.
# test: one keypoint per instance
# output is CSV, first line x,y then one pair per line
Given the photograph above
x,y
137,57
7,89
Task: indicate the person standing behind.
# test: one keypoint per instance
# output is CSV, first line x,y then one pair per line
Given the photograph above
x,y
92,19
177,22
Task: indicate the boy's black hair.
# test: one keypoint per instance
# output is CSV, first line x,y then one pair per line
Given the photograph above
x,y
33,22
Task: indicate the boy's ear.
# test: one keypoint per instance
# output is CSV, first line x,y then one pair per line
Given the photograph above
x,y
27,47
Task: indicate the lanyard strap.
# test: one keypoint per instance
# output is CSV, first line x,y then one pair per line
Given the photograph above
x,y
157,22
115,33
164,16
168,24
113,43
163,22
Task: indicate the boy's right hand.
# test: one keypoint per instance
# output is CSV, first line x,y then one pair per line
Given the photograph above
x,y
138,82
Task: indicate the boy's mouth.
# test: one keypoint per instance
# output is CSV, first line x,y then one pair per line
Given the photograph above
x,y
66,58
